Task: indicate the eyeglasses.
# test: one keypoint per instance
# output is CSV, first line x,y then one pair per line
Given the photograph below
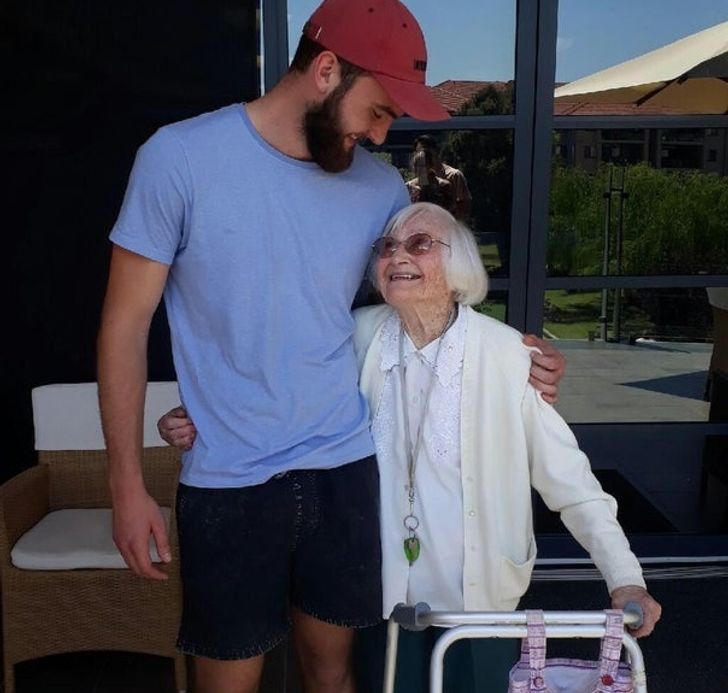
x,y
416,244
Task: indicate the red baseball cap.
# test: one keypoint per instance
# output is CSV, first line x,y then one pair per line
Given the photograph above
x,y
383,38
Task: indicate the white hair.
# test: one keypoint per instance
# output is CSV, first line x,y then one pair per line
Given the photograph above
x,y
464,271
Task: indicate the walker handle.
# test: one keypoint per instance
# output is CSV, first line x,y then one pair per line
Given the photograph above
x,y
411,617
636,615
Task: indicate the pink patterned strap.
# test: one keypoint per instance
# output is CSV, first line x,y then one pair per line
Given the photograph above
x,y
533,649
611,647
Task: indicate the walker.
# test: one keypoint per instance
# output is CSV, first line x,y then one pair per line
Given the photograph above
x,y
504,624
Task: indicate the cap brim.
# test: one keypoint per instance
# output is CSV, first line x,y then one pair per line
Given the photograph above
x,y
414,99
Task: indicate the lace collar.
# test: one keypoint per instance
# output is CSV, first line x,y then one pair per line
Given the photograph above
x,y
450,360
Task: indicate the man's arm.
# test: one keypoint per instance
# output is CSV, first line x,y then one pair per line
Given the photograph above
x,y
133,293
547,367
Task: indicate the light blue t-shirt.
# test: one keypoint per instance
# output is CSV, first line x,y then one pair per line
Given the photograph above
x,y
266,254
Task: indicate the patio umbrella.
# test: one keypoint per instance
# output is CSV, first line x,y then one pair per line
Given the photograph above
x,y
689,76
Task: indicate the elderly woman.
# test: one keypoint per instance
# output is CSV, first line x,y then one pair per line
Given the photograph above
x,y
461,439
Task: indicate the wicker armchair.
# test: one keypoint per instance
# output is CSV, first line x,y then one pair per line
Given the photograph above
x,y
47,612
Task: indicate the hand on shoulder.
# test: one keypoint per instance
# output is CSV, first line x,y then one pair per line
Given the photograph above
x,y
548,366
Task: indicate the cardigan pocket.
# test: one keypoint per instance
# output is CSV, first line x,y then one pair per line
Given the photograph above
x,y
514,578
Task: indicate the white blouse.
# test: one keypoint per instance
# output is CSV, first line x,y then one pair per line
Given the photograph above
x,y
436,577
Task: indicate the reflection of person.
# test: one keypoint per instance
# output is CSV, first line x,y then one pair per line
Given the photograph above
x,y
426,186
462,199
718,299
461,437
282,472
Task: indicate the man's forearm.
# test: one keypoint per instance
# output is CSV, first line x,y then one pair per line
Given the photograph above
x,y
122,376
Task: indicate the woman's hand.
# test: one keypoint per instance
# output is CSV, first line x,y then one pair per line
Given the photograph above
x,y
177,429
650,608
547,367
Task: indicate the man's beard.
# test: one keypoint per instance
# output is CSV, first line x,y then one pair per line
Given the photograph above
x,y
324,133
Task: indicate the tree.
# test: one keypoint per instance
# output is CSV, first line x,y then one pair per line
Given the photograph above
x,y
486,159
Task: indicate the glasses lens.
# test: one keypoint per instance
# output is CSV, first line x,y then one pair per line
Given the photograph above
x,y
385,246
418,244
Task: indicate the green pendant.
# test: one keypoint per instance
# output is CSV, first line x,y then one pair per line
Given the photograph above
x,y
412,549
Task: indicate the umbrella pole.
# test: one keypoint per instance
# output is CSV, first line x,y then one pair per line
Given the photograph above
x,y
605,254
617,319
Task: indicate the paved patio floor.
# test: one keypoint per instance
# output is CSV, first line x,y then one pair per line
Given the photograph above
x,y
642,382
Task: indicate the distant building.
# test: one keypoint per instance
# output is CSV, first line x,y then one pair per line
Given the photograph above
x,y
687,148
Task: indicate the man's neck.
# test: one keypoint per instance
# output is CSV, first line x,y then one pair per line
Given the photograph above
x,y
278,118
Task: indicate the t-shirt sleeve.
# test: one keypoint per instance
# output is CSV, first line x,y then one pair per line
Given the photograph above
x,y
153,215
367,295
402,199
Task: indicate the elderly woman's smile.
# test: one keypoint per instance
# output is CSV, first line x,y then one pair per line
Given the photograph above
x,y
401,276
414,260
414,275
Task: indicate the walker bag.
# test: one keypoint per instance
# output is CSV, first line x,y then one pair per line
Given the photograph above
x,y
535,673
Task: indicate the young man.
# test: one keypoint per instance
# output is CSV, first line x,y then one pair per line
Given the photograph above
x,y
255,223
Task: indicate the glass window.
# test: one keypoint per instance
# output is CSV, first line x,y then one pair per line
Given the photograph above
x,y
587,45
483,163
623,135
684,135
645,208
672,481
622,153
494,305
681,156
638,355
471,51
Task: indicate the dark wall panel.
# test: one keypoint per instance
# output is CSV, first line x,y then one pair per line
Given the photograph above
x,y
85,83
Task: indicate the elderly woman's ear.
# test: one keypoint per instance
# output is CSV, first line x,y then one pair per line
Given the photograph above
x,y
547,367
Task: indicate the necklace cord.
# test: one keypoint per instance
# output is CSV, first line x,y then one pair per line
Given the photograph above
x,y
411,521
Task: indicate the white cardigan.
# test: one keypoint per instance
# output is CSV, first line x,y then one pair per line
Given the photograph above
x,y
511,440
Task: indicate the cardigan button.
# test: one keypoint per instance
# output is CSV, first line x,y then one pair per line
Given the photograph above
x,y
472,513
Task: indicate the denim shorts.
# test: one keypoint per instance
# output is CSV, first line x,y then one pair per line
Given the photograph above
x,y
307,539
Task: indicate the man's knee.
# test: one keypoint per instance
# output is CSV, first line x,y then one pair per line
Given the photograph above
x,y
327,674
324,652
227,676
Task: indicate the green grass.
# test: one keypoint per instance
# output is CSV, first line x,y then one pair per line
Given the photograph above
x,y
489,254
573,315
492,310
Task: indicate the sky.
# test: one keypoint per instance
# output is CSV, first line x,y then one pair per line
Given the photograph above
x,y
475,39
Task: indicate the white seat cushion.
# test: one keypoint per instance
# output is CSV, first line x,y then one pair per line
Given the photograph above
x,y
71,539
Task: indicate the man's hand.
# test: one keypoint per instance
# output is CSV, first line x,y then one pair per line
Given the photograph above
x,y
136,517
547,367
650,608
177,429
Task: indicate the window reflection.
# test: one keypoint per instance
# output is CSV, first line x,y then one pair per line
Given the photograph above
x,y
639,202
638,355
471,49
485,159
494,305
